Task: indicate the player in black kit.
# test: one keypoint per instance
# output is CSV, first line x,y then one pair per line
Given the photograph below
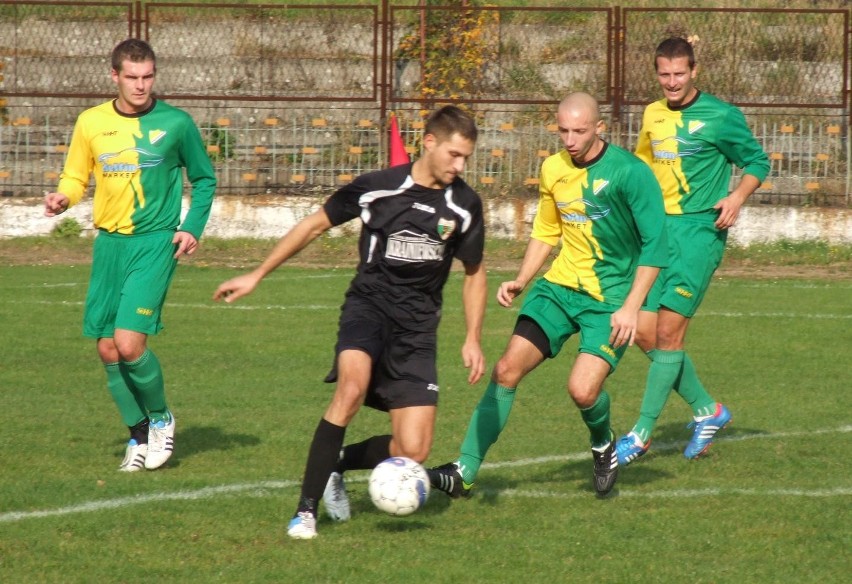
x,y
416,218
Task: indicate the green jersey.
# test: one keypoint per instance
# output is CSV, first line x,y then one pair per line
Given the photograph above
x,y
609,216
691,149
138,163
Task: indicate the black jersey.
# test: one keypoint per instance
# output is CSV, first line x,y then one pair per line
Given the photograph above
x,y
409,237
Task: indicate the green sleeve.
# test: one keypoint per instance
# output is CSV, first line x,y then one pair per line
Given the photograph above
x,y
739,145
646,203
199,172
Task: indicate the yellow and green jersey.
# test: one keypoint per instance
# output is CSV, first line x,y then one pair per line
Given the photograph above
x,y
138,161
609,216
691,149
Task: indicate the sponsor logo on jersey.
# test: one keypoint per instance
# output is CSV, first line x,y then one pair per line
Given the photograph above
x,y
155,136
422,207
111,162
694,126
413,247
446,227
109,133
680,148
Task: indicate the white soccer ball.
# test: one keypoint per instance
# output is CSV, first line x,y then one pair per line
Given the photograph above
x,y
399,486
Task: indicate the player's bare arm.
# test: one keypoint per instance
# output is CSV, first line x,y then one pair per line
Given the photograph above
x,y
536,254
55,204
474,298
307,230
625,320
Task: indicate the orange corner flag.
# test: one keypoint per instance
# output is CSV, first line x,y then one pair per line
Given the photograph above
x,y
398,155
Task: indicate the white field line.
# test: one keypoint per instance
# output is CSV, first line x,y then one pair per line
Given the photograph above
x,y
453,308
263,488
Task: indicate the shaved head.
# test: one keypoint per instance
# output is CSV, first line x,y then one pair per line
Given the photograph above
x,y
581,103
579,122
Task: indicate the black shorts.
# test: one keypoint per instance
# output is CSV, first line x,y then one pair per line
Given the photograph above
x,y
404,369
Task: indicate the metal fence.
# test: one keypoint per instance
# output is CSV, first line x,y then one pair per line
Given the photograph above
x,y
297,96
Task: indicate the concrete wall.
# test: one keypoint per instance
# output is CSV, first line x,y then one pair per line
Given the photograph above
x,y
271,217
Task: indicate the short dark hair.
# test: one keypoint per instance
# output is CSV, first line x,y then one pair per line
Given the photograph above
x,y
133,50
449,120
673,48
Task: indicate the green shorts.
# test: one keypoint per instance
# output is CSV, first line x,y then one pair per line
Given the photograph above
x,y
561,312
696,248
130,277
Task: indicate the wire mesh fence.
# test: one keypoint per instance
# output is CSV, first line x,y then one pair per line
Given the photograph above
x,y
296,97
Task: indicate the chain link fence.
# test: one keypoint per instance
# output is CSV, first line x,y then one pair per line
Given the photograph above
x,y
296,98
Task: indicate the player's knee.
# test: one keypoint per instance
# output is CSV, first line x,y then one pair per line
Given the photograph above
x,y
506,373
418,452
584,396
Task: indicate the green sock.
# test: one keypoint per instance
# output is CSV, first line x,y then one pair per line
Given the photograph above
x,y
488,420
147,377
132,412
663,374
596,418
693,392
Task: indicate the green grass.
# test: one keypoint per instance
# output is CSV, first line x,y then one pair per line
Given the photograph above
x,y
770,503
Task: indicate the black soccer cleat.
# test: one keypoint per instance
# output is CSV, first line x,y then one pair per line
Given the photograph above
x,y
606,468
448,479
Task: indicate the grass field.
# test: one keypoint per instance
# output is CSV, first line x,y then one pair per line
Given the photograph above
x,y
769,504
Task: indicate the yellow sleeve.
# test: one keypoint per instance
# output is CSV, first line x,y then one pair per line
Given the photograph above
x,y
547,227
79,164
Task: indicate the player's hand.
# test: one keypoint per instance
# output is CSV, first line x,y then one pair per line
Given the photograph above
x,y
508,291
236,288
624,324
474,360
185,242
729,211
55,204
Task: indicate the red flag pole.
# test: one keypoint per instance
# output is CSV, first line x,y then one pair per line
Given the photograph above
x,y
398,155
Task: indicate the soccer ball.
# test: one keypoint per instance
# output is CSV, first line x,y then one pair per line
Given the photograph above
x,y
399,486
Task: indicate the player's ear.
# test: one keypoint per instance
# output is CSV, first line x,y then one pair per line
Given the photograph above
x,y
429,141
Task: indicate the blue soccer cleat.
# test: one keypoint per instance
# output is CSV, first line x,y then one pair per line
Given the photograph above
x,y
629,448
705,430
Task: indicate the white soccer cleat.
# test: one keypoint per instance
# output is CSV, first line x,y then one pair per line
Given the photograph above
x,y
134,457
161,441
303,526
335,498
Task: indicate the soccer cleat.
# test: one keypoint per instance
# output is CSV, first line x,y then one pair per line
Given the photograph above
x,y
705,430
629,448
303,526
134,457
161,441
336,499
606,468
447,478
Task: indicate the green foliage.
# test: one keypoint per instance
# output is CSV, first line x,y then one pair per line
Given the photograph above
x,y
67,228
454,50
223,141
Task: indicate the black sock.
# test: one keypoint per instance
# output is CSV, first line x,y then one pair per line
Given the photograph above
x,y
322,458
139,432
366,454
